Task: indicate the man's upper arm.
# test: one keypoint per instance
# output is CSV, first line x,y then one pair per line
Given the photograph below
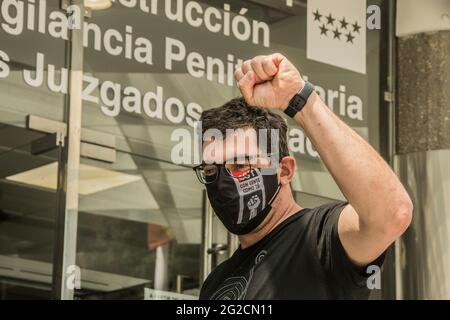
x,y
340,262
362,243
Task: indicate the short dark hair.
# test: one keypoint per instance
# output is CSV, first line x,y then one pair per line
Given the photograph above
x,y
237,114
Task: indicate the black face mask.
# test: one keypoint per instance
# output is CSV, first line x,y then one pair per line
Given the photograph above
x,y
242,203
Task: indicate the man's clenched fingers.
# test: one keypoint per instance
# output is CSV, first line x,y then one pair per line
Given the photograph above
x,y
276,58
238,74
258,68
246,66
269,66
246,85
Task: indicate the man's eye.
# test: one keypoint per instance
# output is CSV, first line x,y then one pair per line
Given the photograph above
x,y
210,170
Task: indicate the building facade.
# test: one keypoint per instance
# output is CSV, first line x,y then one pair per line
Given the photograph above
x,y
97,113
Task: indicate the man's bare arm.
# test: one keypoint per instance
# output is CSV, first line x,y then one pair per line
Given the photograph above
x,y
380,209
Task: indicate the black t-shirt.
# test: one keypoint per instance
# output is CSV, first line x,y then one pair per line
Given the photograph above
x,y
302,258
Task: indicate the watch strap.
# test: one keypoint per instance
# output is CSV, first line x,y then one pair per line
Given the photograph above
x,y
299,100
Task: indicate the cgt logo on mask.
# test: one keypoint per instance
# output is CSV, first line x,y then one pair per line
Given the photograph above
x,y
253,204
250,186
242,203
251,192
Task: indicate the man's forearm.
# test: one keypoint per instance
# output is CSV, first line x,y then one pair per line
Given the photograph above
x,y
363,176
380,209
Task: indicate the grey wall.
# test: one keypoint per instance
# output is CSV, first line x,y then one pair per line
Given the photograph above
x,y
423,87
423,150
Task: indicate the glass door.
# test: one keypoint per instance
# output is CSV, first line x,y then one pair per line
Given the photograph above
x,y
28,207
139,229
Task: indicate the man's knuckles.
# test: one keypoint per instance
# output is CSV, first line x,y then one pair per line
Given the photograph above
x,y
269,67
238,74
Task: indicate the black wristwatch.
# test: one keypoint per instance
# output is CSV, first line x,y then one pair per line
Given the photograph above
x,y
299,100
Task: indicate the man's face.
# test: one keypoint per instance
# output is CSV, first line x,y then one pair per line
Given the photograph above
x,y
239,188
238,150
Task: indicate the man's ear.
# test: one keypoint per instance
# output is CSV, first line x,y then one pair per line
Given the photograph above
x,y
287,169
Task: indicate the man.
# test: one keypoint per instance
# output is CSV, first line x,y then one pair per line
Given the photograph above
x,y
286,251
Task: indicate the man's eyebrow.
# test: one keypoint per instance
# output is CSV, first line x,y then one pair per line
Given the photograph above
x,y
239,157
